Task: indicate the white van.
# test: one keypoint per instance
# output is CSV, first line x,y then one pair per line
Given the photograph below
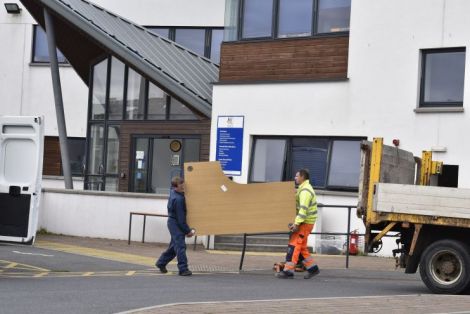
x,y
21,157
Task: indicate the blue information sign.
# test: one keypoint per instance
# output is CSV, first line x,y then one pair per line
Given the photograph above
x,y
230,144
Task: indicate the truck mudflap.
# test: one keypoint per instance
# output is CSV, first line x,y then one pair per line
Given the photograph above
x,y
21,157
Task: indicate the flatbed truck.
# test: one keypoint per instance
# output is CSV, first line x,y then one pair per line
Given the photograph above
x,y
396,194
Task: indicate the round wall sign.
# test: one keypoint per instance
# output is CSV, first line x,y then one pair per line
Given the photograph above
x,y
175,146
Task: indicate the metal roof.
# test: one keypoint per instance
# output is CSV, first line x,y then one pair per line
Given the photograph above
x,y
85,30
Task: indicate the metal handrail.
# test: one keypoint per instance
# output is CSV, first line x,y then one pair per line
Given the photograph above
x,y
347,234
144,214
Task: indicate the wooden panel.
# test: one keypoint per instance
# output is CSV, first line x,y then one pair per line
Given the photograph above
x,y
284,60
422,200
52,163
216,205
199,128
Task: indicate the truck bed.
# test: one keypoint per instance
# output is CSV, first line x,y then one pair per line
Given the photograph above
x,y
428,204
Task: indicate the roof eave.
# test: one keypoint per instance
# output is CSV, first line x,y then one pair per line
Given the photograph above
x,y
140,65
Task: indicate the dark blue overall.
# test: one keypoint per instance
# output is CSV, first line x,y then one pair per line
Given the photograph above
x,y
178,229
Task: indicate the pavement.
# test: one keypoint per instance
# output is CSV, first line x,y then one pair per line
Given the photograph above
x,y
199,259
371,284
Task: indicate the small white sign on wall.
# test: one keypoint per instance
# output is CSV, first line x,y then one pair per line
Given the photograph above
x,y
140,154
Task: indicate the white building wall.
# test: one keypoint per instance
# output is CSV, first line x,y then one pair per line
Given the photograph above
x,y
384,70
26,89
381,94
378,99
281,109
305,109
104,215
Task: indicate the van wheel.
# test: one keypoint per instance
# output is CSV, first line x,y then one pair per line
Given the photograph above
x,y
444,267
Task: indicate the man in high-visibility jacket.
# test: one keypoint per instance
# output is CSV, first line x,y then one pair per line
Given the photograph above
x,y
306,203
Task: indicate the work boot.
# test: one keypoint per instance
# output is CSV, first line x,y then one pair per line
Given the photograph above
x,y
186,273
162,268
312,272
285,275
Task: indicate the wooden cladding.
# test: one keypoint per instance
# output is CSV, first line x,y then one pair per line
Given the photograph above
x,y
52,164
167,128
285,60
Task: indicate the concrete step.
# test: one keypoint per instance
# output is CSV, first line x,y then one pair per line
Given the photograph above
x,y
261,243
279,240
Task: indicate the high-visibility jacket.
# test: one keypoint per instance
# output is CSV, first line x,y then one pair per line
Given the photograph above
x,y
306,202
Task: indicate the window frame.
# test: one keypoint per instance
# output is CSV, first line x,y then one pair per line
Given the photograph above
x,y
106,122
33,51
312,24
287,165
275,25
207,36
422,81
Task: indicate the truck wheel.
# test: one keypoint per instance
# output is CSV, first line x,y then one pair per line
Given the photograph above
x,y
444,267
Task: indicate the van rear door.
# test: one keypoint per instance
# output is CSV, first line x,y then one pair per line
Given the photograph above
x,y
21,156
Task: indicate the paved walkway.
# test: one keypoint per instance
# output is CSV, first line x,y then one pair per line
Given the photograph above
x,y
199,259
410,304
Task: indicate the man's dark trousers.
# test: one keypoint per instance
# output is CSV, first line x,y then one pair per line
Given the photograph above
x,y
176,248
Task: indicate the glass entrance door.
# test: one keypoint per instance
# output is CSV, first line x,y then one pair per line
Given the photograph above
x,y
157,160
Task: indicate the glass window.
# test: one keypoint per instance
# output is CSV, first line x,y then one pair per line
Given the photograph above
x,y
98,104
112,184
231,20
116,90
310,154
257,18
94,183
96,146
162,31
295,18
217,37
345,164
76,148
178,111
333,16
332,164
193,39
268,160
135,104
40,51
443,77
156,103
112,152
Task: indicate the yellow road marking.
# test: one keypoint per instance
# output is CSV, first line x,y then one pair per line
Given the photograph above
x,y
104,254
11,265
121,273
40,275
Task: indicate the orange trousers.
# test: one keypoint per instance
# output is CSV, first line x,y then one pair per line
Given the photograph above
x,y
298,245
